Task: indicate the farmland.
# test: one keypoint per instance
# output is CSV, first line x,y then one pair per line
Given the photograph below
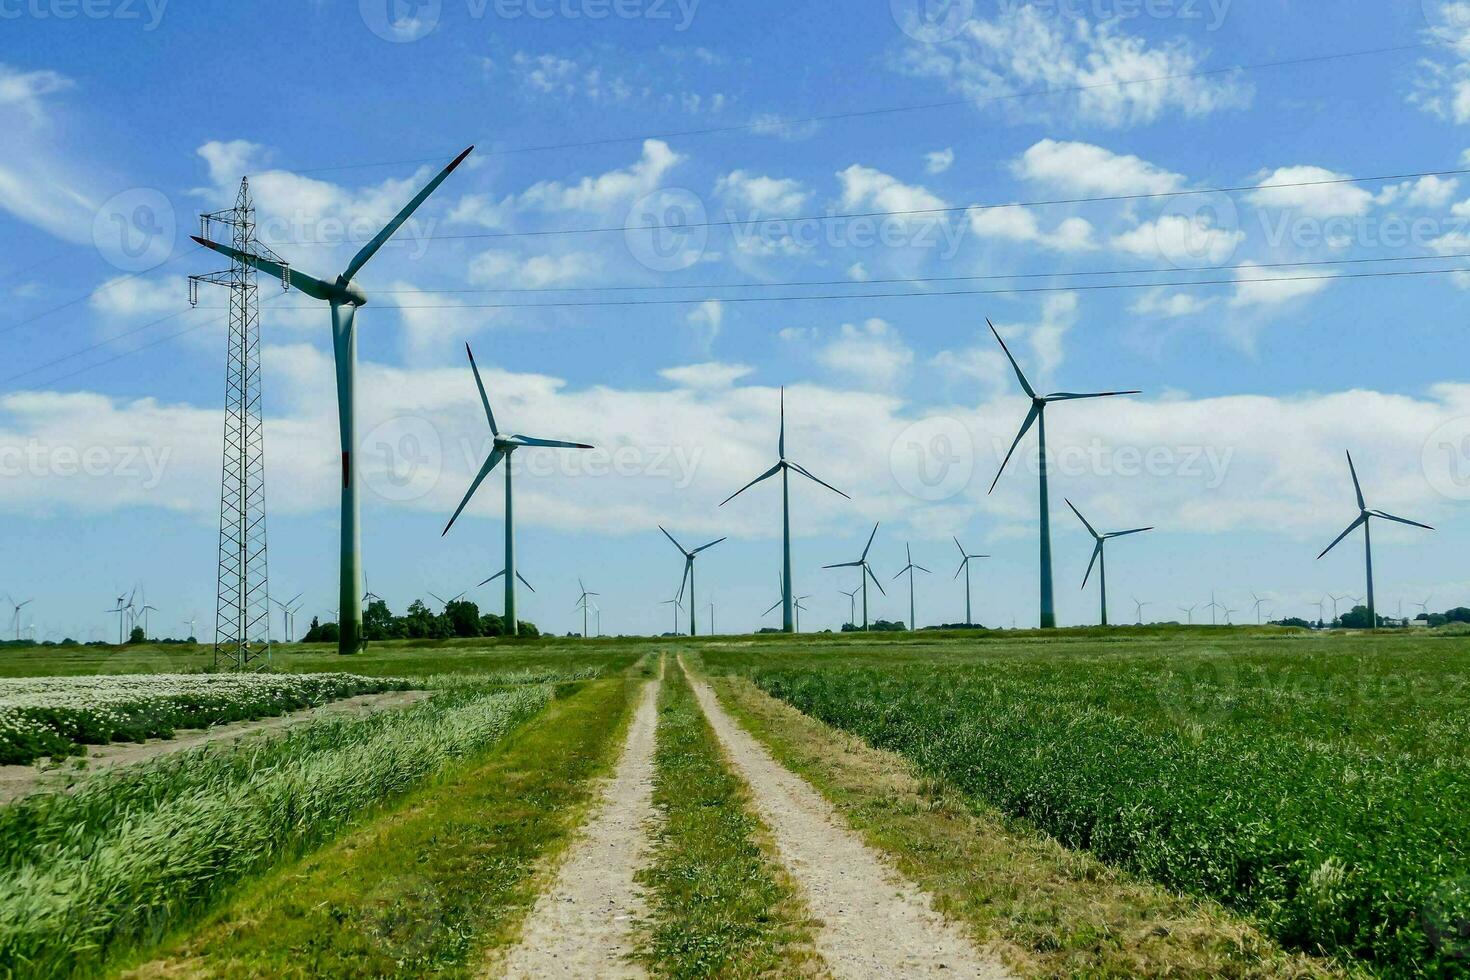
x,y
1141,801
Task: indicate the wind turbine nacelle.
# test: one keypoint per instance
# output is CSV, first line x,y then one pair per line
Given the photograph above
x,y
351,292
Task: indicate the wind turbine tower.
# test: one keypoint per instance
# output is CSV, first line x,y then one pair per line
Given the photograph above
x,y
865,572
909,570
965,559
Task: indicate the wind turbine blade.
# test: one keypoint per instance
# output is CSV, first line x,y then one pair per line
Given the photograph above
x,y
1090,529
1068,396
1136,530
551,443
436,598
879,584
1025,385
1096,550
676,543
1362,518
781,442
1025,427
901,571
960,547
705,547
371,248
523,581
963,563
312,287
1402,520
684,579
808,474
844,564
922,569
496,576
869,545
293,599
484,400
1357,487
764,476
773,608
495,457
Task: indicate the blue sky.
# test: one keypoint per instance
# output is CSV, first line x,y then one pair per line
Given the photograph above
x,y
124,121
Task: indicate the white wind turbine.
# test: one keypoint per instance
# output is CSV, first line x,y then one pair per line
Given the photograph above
x,y
343,296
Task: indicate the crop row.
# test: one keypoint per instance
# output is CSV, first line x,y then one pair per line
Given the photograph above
x,y
123,857
55,716
1341,824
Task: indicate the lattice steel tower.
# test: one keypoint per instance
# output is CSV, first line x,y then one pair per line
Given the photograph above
x,y
242,607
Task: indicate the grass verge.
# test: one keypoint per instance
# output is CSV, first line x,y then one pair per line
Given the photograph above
x,y
720,903
428,887
1048,911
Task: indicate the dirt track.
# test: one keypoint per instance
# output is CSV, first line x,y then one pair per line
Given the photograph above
x,y
583,924
875,924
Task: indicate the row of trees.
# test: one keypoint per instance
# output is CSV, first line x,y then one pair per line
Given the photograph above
x,y
459,618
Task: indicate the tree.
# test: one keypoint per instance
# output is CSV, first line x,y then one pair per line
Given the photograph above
x,y
491,625
136,636
527,630
463,617
377,621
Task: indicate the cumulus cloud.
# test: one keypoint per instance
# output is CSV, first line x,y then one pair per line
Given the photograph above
x,y
765,195
1107,76
1271,293
872,353
1019,224
1176,237
706,319
1083,168
938,161
711,374
1321,198
612,189
1163,303
500,267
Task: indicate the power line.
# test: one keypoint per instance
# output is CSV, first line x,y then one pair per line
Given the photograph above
x,y
911,212
1016,290
99,344
110,284
919,280
778,123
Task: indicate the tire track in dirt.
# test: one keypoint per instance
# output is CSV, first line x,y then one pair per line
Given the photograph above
x,y
583,924
875,923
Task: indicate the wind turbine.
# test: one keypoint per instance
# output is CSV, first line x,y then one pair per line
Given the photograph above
x,y
343,297
504,446
286,613
1335,600
779,603
119,610
865,572
18,606
497,575
445,602
965,559
1320,604
145,610
1257,602
796,604
1214,607
1189,613
689,557
1228,614
784,466
1424,607
678,605
711,619
582,604
910,569
190,623
851,605
1099,558
1364,516
1037,416
1138,608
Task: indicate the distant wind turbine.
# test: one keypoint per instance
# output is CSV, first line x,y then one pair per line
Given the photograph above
x,y
688,577
1228,614
965,559
1189,613
504,446
1138,608
865,572
582,604
784,466
1364,516
1257,602
1214,607
285,608
851,606
678,606
15,613
343,297
909,570
1424,607
1037,416
1321,610
796,604
1099,558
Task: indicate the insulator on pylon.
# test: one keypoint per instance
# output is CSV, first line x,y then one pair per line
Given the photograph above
x,y
193,292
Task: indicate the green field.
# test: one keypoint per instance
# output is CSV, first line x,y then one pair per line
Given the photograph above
x,y
1316,786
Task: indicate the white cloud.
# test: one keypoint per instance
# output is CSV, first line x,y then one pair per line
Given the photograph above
x,y
872,354
1274,293
1324,200
434,322
38,182
24,90
605,191
1109,77
500,267
938,161
1177,237
1019,224
769,196
1162,303
858,272
864,187
127,297
711,374
706,319
1082,168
